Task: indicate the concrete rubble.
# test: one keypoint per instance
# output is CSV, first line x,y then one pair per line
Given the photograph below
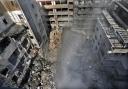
x,y
87,47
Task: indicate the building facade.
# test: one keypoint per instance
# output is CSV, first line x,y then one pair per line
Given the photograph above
x,y
19,48
15,55
33,17
60,12
110,43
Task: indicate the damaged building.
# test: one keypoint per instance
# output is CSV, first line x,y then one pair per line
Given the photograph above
x,y
22,43
60,12
22,13
15,55
110,42
64,44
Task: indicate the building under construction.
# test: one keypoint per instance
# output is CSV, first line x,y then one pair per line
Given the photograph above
x,y
64,44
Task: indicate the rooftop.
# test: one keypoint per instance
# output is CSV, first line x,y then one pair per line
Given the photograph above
x,y
118,37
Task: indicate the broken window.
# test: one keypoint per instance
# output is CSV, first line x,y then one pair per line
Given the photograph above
x,y
20,16
31,37
95,37
4,43
47,3
115,7
5,21
36,15
98,43
97,29
20,65
102,52
12,2
71,3
25,54
19,36
32,5
25,42
20,47
4,71
15,78
29,50
14,56
96,48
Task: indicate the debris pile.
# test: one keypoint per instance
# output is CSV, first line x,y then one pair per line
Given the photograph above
x,y
42,74
49,70
48,75
55,41
55,38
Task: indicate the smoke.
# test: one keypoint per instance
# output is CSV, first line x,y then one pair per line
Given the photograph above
x,y
70,68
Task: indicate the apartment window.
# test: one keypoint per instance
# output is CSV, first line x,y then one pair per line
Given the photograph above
x,y
96,48
95,37
32,5
12,3
92,41
115,7
98,43
70,2
97,29
19,73
35,15
4,71
25,54
49,2
25,42
48,22
102,52
4,43
20,66
100,36
39,24
29,50
20,16
31,37
104,45
20,47
5,21
14,56
15,78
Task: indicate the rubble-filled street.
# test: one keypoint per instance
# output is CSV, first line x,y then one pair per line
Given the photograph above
x,y
64,44
49,65
47,75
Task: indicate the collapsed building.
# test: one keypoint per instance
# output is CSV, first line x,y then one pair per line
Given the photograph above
x,y
23,42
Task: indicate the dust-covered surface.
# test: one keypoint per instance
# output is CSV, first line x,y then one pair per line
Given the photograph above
x,y
55,41
78,67
48,74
